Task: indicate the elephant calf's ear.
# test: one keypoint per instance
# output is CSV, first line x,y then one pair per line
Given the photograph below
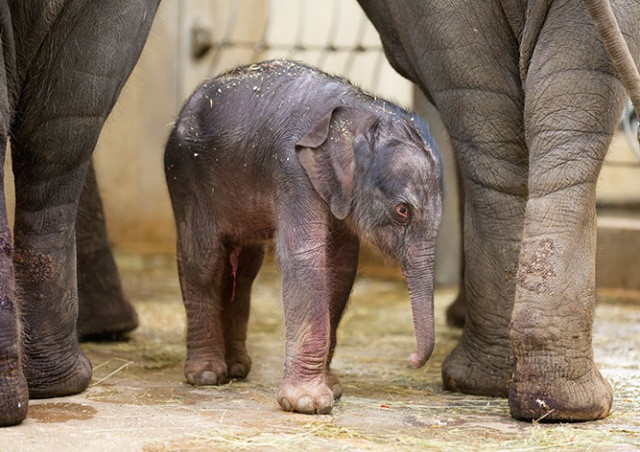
x,y
326,154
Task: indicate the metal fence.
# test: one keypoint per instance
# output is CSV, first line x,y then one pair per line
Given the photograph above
x,y
336,36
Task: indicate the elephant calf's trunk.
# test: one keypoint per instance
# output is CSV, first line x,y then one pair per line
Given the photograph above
x,y
426,340
420,282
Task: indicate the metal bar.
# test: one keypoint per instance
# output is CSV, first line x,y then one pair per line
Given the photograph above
x,y
362,26
264,46
331,37
226,37
261,45
297,46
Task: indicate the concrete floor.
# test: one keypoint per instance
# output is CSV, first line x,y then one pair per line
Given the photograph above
x,y
139,400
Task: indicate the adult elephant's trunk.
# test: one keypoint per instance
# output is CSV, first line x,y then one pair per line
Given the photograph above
x,y
418,269
607,27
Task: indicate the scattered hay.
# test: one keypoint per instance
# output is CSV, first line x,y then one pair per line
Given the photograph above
x,y
386,405
122,367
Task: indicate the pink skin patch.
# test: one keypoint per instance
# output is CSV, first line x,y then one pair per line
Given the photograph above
x,y
233,259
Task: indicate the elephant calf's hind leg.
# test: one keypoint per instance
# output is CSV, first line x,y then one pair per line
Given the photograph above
x,y
245,264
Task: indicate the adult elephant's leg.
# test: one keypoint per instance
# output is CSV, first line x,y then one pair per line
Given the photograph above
x,y
13,385
103,311
479,97
573,102
14,395
74,80
457,311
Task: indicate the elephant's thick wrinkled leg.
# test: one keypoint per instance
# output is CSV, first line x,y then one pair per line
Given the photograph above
x,y
457,311
573,101
245,264
103,311
343,264
482,362
46,276
481,104
302,252
76,77
14,395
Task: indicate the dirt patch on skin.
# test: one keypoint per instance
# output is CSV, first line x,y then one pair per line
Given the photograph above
x,y
536,267
35,266
61,412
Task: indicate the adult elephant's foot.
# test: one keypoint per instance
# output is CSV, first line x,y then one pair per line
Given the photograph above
x,y
586,398
306,398
457,311
14,395
106,318
104,313
555,377
53,363
56,373
476,368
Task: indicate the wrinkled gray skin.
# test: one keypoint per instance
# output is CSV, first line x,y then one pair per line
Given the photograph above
x,y
282,150
104,313
530,98
62,66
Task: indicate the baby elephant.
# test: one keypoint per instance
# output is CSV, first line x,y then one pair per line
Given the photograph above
x,y
282,150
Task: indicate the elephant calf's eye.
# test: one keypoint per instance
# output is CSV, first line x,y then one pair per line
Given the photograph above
x,y
402,213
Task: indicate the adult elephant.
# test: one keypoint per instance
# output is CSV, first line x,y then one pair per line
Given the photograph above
x,y
530,98
62,66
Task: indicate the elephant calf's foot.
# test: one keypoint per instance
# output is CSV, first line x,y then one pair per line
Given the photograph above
x,y
332,381
584,399
238,365
306,398
53,374
209,372
472,372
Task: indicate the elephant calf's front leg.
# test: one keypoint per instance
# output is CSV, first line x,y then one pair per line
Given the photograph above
x,y
343,264
306,309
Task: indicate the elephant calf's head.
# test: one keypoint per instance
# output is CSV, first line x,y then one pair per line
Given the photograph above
x,y
383,175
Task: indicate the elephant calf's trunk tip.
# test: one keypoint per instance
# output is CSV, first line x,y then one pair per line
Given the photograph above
x,y
420,359
417,362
